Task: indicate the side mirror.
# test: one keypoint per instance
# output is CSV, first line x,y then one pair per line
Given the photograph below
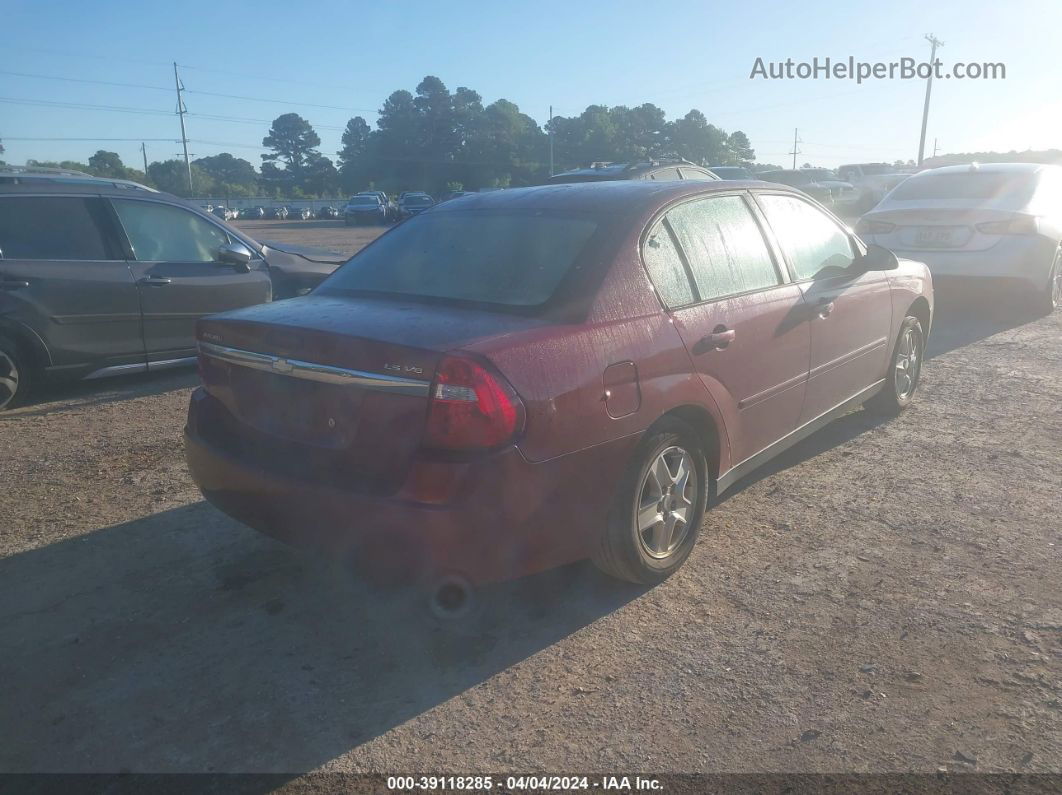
x,y
878,258
237,255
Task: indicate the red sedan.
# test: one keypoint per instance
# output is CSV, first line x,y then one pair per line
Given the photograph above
x,y
523,378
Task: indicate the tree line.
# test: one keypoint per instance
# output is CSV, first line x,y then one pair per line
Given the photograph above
x,y
433,139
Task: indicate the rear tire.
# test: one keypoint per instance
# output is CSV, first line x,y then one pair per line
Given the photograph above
x,y
15,376
659,506
1049,298
905,370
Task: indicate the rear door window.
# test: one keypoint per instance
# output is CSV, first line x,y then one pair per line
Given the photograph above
x,y
54,228
813,243
724,247
164,233
665,174
666,268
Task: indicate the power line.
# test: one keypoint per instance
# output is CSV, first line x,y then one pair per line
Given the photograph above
x,y
278,101
85,106
187,91
24,138
149,111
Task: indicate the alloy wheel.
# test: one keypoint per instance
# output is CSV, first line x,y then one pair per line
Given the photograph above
x,y
666,502
908,363
8,379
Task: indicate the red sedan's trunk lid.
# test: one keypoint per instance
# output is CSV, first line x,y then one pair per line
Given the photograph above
x,y
330,388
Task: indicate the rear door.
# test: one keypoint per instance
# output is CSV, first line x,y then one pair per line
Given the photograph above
x,y
64,276
850,311
173,259
742,323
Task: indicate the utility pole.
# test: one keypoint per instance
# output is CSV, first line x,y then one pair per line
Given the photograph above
x,y
796,140
181,110
143,151
551,140
934,43
934,147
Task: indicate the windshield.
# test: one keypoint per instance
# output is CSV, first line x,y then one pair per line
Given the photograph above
x,y
512,259
966,185
872,169
418,201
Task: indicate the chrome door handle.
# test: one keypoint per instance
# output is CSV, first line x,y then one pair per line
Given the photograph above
x,y
158,281
13,284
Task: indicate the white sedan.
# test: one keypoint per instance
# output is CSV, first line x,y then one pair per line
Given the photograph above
x,y
996,221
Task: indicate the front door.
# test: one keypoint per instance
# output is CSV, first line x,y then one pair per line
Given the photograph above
x,y
850,310
742,324
178,274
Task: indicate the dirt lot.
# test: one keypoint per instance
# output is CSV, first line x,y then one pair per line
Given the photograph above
x,y
332,235
885,597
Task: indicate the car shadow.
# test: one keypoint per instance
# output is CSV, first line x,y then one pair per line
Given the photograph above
x,y
59,397
843,429
183,641
963,316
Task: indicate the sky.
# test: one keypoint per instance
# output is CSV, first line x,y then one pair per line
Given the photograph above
x,y
334,60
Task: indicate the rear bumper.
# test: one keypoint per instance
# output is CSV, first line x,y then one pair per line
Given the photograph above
x,y
494,518
1024,260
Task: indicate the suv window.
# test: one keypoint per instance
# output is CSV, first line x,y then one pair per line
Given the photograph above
x,y
811,240
53,227
666,269
724,246
164,233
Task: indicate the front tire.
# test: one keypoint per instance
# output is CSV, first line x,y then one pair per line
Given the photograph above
x,y
14,374
659,506
905,370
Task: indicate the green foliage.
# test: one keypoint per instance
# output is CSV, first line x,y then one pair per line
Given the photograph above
x,y
107,164
232,176
172,177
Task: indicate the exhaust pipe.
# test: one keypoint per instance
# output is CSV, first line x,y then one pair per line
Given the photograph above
x,y
451,597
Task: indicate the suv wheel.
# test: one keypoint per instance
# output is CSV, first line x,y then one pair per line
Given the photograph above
x,y
905,370
14,374
659,508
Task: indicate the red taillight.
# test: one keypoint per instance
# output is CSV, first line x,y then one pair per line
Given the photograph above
x,y
1022,225
471,407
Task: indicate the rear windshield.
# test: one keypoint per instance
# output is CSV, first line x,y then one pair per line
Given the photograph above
x,y
512,258
965,186
367,200
418,200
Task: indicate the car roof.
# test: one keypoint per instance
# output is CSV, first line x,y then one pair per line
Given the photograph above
x,y
989,168
611,195
93,187
636,168
28,175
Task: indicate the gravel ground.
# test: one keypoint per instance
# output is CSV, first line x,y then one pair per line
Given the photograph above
x,y
884,597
